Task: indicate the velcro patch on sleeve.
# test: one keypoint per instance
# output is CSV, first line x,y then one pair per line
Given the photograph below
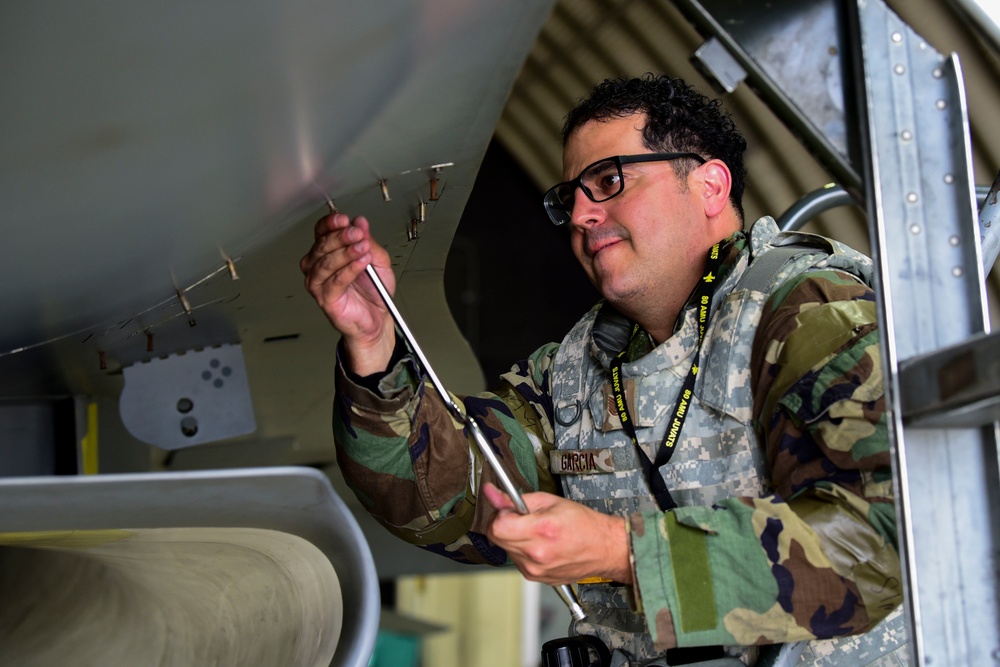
x,y
692,574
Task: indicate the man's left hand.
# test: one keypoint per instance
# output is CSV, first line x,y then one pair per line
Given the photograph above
x,y
559,541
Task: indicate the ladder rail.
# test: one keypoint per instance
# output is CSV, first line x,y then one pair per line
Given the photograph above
x,y
926,247
900,147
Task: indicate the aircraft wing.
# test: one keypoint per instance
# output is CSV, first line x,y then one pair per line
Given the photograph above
x,y
161,170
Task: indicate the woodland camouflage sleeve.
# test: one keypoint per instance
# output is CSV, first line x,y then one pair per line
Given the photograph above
x,y
413,468
817,558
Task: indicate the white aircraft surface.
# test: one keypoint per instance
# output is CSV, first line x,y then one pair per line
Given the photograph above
x,y
161,171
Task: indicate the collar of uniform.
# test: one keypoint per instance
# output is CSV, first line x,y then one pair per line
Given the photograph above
x,y
612,330
732,250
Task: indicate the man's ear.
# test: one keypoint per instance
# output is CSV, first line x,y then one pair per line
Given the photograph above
x,y
716,182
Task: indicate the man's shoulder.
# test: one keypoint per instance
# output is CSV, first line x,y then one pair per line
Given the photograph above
x,y
782,261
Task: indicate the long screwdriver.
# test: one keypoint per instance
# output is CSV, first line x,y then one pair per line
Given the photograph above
x,y
565,591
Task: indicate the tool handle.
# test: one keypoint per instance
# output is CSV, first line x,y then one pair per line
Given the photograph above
x,y
410,339
565,591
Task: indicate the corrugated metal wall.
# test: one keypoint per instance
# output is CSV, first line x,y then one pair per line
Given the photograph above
x,y
585,41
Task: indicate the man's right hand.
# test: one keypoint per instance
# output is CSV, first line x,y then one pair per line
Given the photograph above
x,y
335,276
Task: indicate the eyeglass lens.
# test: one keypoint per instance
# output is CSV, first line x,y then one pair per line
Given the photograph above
x,y
600,181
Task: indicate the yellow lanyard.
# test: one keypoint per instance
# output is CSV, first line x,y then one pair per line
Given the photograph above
x,y
703,298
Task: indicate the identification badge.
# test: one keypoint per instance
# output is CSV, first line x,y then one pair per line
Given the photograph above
x,y
581,461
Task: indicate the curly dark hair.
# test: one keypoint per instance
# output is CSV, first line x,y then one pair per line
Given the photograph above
x,y
679,118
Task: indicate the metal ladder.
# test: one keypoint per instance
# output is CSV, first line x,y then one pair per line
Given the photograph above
x,y
899,143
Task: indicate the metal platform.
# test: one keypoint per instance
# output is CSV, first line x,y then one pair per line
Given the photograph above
x,y
254,567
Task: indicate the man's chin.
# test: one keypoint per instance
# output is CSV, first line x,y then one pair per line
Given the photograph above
x,y
620,295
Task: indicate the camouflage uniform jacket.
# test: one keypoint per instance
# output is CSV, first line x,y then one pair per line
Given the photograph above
x,y
785,525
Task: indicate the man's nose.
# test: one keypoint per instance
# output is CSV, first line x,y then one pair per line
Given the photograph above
x,y
585,212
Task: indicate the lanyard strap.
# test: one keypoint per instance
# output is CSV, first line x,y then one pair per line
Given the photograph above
x,y
703,298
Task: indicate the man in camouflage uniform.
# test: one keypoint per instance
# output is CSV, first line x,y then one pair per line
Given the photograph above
x,y
708,444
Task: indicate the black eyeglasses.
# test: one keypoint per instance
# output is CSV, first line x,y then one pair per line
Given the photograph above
x,y
600,181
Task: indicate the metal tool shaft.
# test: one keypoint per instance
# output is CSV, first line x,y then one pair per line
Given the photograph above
x,y
565,591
